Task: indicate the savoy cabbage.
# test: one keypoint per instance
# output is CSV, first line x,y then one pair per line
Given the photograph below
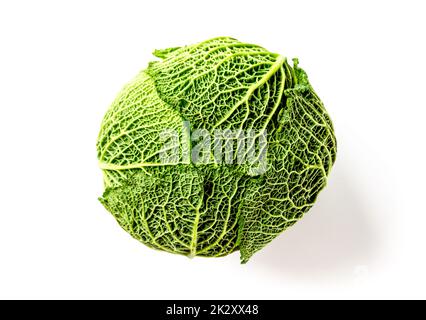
x,y
214,206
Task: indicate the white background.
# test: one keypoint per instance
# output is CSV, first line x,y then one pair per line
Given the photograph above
x,y
63,62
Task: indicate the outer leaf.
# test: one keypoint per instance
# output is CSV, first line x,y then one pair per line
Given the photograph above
x,y
221,83
130,137
302,152
180,209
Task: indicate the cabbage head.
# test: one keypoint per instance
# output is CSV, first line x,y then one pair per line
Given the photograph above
x,y
213,148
